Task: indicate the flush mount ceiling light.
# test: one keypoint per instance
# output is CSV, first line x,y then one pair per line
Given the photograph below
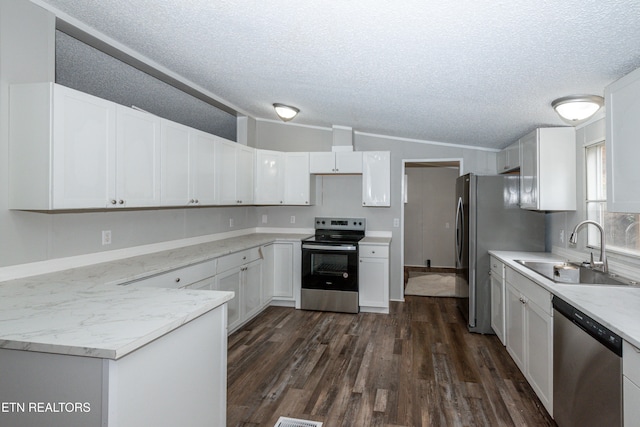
x,y
285,112
577,108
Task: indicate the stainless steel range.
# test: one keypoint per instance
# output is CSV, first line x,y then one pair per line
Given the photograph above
x,y
330,265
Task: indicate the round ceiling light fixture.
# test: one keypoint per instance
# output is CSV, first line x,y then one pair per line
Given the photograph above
x,y
285,112
577,108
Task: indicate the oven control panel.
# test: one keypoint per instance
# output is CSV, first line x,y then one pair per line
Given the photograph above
x,y
327,223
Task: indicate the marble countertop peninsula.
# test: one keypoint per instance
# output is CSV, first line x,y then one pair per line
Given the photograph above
x,y
81,311
616,307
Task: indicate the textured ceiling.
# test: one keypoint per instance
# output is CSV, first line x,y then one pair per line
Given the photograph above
x,y
472,72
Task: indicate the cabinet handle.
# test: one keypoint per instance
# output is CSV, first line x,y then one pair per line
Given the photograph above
x,y
191,201
281,201
113,201
177,280
373,252
244,257
121,202
196,201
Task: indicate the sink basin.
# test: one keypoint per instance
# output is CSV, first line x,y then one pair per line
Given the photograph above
x,y
570,272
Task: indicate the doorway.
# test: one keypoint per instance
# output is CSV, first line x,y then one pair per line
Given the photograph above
x,y
429,226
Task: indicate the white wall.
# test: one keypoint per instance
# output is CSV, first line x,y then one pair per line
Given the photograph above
x,y
27,54
431,205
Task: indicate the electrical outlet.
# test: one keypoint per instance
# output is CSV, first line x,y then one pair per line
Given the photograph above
x,y
106,237
447,225
561,236
264,219
293,219
231,222
396,222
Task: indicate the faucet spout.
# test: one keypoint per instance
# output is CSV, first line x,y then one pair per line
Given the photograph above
x,y
602,265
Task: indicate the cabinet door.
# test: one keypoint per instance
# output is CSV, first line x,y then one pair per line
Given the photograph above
x,y
349,162
252,292
373,278
137,158
84,138
225,172
497,306
245,167
631,397
539,350
529,171
283,270
622,99
514,324
297,179
322,162
230,281
174,164
376,178
202,155
269,188
268,272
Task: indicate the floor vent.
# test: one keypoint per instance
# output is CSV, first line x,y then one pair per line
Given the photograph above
x,y
292,422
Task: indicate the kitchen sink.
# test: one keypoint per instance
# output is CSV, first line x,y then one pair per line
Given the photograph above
x,y
575,273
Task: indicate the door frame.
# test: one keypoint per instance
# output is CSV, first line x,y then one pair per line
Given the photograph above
x,y
461,172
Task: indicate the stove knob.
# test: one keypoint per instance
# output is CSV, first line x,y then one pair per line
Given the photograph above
x,y
322,222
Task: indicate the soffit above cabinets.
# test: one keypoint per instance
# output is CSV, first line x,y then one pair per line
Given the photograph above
x,y
477,73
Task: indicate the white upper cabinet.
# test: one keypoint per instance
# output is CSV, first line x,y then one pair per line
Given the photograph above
x,y
187,159
548,170
234,171
282,178
137,177
622,99
202,158
245,174
174,163
62,148
508,159
269,178
376,178
297,180
335,162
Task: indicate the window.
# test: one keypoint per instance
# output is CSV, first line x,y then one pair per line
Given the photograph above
x,y
622,230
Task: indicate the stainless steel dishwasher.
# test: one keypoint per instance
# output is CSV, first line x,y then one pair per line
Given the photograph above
x,y
587,370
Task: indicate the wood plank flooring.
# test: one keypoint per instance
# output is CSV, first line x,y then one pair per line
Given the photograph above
x,y
417,366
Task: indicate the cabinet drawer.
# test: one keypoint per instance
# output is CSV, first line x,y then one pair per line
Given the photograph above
x,y
497,269
371,251
631,362
181,277
529,289
237,259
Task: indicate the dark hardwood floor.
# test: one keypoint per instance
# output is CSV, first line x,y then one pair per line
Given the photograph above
x,y
417,366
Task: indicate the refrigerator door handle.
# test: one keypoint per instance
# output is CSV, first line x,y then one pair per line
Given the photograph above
x,y
459,231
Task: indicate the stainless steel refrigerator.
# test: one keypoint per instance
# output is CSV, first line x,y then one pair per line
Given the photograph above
x,y
488,217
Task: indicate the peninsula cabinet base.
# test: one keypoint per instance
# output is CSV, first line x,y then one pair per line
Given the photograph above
x,y
178,379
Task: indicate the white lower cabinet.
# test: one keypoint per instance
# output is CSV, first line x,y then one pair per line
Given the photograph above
x,y
529,333
498,299
631,385
373,278
241,272
282,273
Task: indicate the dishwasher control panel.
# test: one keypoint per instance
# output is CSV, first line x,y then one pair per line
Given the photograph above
x,y
601,333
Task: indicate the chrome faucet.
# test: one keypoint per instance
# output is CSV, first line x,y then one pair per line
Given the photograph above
x,y
601,265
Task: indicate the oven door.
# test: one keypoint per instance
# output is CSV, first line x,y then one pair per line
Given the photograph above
x,y
330,267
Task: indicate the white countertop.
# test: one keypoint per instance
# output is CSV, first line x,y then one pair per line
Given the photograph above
x,y
82,312
379,241
616,307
